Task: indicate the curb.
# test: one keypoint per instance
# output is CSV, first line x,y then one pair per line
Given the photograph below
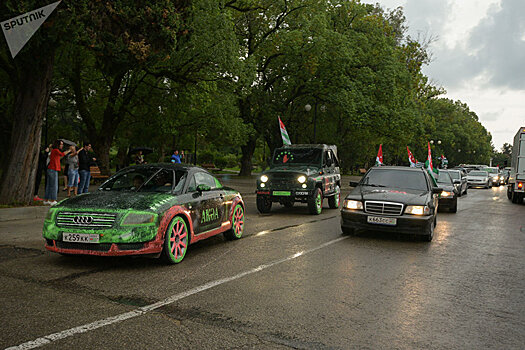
x,y
23,213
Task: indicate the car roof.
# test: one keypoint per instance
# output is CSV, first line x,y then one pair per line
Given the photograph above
x,y
397,167
169,166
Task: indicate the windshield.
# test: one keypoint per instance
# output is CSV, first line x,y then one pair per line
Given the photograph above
x,y
291,156
492,170
444,178
478,173
454,174
146,180
413,180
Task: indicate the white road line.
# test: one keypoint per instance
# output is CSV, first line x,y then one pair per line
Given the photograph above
x,y
142,310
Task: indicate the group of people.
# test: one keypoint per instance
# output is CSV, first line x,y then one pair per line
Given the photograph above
x,y
78,162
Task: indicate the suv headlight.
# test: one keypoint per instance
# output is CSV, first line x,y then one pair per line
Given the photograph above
x,y
447,194
417,210
264,178
351,204
301,179
138,219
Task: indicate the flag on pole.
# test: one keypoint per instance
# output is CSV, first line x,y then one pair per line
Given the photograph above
x,y
284,134
411,159
428,166
379,158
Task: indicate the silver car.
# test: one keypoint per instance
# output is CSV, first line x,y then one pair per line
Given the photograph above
x,y
460,181
479,178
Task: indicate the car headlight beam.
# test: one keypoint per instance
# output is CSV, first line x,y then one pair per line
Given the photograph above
x,y
264,178
351,204
417,210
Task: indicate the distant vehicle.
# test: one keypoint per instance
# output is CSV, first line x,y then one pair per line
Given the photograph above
x,y
469,167
393,199
506,173
459,178
516,183
449,197
301,173
494,175
479,178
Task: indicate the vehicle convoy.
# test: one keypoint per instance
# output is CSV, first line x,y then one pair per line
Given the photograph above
x,y
157,210
301,173
393,199
479,178
516,182
449,197
459,178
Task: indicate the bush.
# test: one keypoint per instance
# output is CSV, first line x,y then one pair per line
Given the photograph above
x,y
206,157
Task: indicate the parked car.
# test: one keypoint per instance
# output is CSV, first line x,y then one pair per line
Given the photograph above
x,y
479,178
448,199
393,199
301,173
157,210
459,178
494,175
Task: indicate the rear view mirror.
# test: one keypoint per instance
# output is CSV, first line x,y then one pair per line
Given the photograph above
x,y
354,183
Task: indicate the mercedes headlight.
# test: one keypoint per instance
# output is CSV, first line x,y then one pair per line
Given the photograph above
x,y
301,179
264,178
138,219
447,194
417,210
351,204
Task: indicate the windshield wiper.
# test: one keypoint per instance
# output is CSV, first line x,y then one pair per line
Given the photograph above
x,y
374,185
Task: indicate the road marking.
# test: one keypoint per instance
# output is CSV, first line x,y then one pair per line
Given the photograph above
x,y
142,310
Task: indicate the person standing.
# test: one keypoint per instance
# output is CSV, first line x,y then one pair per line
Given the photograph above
x,y
72,176
50,197
84,162
175,157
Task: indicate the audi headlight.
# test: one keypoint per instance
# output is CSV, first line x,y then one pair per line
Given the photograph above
x,y
301,179
447,194
138,219
417,209
351,204
264,178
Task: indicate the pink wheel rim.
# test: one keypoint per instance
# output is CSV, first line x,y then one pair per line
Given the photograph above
x,y
178,239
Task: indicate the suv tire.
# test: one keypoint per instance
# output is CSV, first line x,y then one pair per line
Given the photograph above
x,y
264,204
315,202
334,200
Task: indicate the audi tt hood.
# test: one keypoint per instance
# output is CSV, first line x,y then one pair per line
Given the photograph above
x,y
114,200
385,194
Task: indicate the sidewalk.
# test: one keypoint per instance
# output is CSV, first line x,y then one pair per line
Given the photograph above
x,y
245,185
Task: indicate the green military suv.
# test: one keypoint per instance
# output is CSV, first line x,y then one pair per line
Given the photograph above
x,y
301,173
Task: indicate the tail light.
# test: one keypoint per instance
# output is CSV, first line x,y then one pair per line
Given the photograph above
x,y
520,185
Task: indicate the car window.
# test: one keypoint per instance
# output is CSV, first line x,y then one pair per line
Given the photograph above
x,y
160,182
454,174
201,178
444,178
287,156
414,180
129,180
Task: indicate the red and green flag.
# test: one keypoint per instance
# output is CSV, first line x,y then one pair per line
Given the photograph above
x,y
428,166
379,158
411,159
284,134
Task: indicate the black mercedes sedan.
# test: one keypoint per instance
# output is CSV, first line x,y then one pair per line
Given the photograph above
x,y
449,197
395,199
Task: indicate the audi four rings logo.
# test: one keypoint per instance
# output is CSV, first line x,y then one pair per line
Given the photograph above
x,y
83,220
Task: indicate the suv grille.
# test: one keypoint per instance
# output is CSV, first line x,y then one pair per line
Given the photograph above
x,y
386,208
85,220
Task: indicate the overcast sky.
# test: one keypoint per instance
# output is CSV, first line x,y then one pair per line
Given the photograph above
x,y
478,56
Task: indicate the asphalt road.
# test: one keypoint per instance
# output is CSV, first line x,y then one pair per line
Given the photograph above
x,y
293,281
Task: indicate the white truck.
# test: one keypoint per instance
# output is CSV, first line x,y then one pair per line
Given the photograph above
x,y
516,185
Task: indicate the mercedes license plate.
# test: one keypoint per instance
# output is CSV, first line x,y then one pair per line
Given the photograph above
x,y
80,237
381,220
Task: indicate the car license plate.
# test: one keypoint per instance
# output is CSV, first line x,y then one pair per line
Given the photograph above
x,y
301,193
282,193
80,237
381,220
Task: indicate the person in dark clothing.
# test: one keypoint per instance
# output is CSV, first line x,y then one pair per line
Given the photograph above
x,y
84,162
42,164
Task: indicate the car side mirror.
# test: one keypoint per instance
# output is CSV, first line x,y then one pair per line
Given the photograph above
x,y
354,183
437,190
202,187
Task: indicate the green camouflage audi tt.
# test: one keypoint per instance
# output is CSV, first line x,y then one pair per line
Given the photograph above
x,y
157,209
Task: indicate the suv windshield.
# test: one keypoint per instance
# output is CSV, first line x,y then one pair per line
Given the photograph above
x,y
478,173
291,156
412,180
444,178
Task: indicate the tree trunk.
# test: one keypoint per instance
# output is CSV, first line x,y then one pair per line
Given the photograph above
x,y
247,153
18,180
101,147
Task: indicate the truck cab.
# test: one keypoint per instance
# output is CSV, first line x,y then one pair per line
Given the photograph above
x,y
516,182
